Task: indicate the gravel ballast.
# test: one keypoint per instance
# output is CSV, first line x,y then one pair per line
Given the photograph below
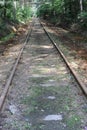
x,y
44,95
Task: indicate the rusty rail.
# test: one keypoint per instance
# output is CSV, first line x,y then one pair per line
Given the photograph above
x,y
79,81
9,80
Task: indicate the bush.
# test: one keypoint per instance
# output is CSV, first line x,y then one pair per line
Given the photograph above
x,y
44,11
23,14
82,17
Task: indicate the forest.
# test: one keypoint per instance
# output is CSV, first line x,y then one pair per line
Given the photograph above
x,y
65,12
13,13
43,64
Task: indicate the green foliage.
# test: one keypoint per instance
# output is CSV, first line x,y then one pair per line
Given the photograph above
x,y
9,36
58,6
9,10
44,10
64,12
55,11
23,14
12,13
73,121
82,17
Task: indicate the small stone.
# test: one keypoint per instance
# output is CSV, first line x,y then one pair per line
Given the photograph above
x,y
51,97
46,85
42,110
64,125
36,108
53,117
13,109
51,80
0,127
85,106
85,127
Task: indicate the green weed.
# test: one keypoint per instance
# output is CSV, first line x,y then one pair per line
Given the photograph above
x,y
73,121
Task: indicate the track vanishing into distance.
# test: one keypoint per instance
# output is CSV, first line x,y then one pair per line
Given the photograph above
x,y
7,85
31,35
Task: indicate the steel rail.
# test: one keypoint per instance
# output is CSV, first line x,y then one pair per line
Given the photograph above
x,y
75,75
9,80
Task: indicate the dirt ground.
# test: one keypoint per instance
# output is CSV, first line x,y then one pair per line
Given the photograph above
x,y
44,96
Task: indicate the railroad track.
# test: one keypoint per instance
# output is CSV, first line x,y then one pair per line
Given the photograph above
x,y
81,84
7,85
9,80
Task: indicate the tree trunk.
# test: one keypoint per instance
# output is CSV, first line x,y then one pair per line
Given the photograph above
x,y
81,5
14,9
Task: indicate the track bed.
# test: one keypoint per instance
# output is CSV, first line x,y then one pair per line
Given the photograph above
x,y
44,94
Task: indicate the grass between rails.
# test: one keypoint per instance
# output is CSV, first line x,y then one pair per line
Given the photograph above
x,y
37,102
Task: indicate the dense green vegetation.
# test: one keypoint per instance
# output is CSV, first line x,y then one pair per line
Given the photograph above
x,y
59,12
13,12
64,12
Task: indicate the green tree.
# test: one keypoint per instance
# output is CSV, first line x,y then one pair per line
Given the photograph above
x,y
65,11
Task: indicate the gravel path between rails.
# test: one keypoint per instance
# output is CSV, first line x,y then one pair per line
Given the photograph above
x,y
44,96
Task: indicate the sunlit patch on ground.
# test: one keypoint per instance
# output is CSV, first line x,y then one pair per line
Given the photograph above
x,y
44,92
